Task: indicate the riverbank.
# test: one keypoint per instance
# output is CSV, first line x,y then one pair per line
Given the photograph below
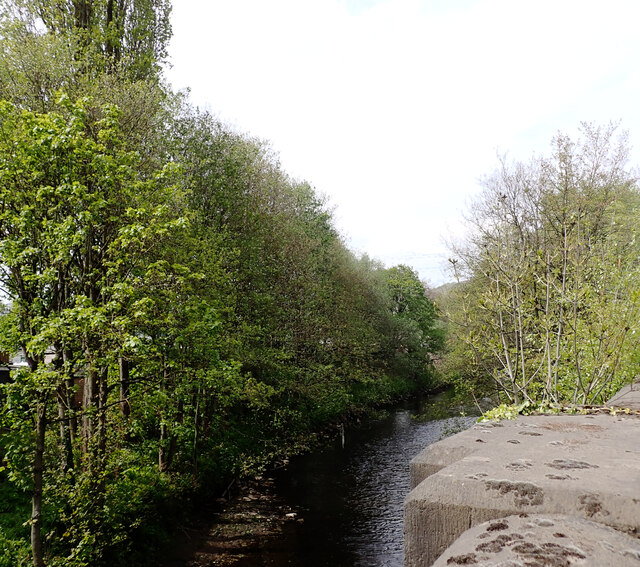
x,y
581,466
239,530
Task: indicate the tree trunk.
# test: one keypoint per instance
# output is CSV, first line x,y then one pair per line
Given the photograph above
x,y
125,408
82,13
64,409
88,407
65,427
100,458
167,442
38,474
112,45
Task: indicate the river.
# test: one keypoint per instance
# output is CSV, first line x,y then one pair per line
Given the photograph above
x,y
342,505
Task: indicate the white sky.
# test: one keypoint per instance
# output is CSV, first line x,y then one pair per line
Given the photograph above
x,y
395,108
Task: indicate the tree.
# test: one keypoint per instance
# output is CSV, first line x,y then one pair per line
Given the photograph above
x,y
76,221
552,267
108,36
415,334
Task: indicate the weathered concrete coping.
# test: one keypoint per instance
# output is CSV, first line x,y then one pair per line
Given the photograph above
x,y
552,540
627,397
584,466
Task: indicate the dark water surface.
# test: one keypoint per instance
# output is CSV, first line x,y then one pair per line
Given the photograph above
x,y
350,499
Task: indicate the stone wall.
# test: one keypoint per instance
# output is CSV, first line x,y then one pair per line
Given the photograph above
x,y
582,468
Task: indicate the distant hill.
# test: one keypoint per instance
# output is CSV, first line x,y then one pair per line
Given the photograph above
x,y
436,292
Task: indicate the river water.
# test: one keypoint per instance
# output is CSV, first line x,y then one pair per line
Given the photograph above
x,y
349,497
340,506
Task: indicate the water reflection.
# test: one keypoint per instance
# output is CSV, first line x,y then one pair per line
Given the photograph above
x,y
351,498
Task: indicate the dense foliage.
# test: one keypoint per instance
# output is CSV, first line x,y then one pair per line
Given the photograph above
x,y
547,305
187,311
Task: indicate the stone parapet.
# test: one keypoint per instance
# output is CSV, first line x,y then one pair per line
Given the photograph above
x,y
581,466
551,540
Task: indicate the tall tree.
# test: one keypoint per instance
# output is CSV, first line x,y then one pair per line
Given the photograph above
x,y
113,36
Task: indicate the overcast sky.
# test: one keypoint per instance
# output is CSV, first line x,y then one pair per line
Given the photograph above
x,y
394,109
